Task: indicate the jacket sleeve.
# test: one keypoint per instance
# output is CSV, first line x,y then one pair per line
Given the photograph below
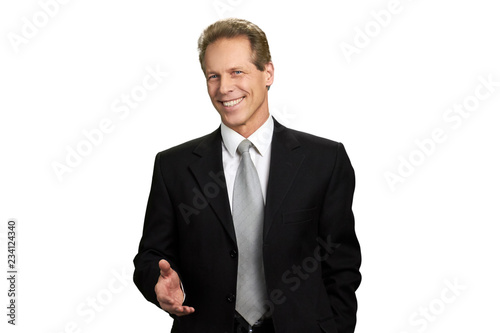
x,y
341,274
159,239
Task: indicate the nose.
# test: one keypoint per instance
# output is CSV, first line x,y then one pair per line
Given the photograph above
x,y
226,85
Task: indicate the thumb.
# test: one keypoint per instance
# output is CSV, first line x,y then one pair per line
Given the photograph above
x,y
164,267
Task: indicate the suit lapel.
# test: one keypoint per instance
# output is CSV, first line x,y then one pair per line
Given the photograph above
x,y
286,158
209,174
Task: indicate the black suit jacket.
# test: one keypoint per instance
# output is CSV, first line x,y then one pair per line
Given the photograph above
x,y
311,253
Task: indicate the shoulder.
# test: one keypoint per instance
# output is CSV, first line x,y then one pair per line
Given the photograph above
x,y
317,151
314,140
191,148
305,140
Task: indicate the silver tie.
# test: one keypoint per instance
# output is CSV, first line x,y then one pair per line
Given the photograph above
x,y
248,217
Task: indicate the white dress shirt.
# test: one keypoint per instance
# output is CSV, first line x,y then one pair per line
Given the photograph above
x,y
260,154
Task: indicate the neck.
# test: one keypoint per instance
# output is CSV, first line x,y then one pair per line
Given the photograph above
x,y
247,129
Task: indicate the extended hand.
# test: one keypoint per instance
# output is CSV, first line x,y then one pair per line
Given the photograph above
x,y
168,291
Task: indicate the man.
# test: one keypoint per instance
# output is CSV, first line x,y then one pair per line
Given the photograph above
x,y
250,228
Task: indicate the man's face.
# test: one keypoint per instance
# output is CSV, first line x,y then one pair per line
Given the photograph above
x,y
238,90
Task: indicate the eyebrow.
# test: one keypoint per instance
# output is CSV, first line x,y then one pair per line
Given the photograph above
x,y
232,69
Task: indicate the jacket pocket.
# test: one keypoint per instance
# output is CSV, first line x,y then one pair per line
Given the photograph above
x,y
328,325
299,216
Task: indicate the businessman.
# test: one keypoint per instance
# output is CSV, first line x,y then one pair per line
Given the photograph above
x,y
250,228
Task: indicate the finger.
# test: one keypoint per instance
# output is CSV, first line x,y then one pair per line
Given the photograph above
x,y
164,267
182,310
177,309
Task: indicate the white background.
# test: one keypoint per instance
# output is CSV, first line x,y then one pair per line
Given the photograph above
x,y
75,235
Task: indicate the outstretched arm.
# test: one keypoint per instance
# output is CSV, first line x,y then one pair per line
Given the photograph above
x,y
158,248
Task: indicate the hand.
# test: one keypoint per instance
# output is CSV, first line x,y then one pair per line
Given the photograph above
x,y
168,291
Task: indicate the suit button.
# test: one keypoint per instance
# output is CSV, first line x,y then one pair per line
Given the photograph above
x,y
233,254
230,298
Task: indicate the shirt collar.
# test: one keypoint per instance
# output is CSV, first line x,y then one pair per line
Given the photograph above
x,y
261,138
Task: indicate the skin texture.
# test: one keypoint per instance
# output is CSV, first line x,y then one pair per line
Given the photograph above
x,y
230,75
169,292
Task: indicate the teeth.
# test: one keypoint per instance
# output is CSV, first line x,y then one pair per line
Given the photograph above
x,y
232,103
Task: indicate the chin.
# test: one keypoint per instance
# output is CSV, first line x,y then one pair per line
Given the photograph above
x,y
233,120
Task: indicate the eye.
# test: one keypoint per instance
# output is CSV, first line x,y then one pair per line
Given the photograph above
x,y
238,72
213,76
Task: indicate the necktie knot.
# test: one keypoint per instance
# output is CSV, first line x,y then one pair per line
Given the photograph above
x,y
244,146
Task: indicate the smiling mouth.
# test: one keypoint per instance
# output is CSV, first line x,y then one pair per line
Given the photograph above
x,y
233,102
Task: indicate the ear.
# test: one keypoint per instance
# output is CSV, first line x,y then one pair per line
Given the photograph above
x,y
269,71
